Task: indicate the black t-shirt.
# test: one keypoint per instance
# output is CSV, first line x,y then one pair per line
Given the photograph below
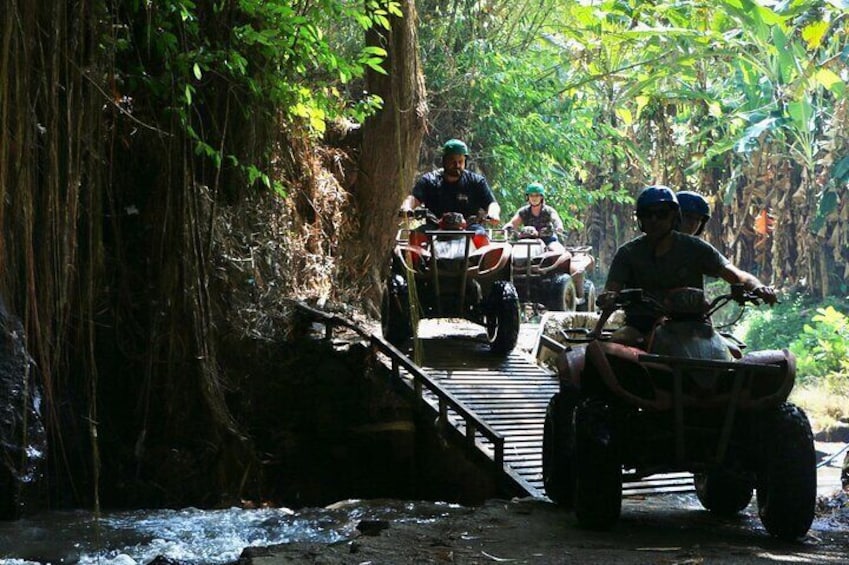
x,y
467,196
636,266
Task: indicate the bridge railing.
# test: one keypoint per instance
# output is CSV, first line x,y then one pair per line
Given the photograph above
x,y
446,402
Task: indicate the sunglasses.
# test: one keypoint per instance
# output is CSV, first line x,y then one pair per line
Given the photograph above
x,y
658,214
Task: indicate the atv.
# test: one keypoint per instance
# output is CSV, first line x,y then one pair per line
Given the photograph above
x,y
690,401
451,272
556,280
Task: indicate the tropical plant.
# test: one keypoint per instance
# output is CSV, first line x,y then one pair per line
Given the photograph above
x,y
822,349
279,62
741,100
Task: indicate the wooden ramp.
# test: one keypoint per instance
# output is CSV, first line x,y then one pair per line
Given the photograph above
x,y
509,393
496,402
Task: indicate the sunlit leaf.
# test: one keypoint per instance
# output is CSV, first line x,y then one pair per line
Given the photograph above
x,y
625,115
753,132
813,34
830,81
802,112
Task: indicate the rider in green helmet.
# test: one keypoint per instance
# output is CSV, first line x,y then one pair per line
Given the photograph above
x,y
538,214
454,189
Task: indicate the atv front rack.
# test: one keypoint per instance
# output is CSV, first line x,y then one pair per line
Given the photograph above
x,y
660,383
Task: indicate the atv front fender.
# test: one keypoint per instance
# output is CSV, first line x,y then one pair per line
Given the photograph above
x,y
570,365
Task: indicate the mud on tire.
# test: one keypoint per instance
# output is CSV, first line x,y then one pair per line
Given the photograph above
x,y
787,476
598,467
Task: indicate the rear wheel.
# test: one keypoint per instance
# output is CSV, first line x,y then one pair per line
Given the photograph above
x,y
501,313
558,447
722,492
562,297
395,311
598,469
590,295
787,478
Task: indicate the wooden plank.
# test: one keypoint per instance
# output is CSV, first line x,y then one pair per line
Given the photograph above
x,y
511,395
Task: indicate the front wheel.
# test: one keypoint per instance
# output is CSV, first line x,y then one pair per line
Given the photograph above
x,y
562,295
787,477
722,492
558,447
501,317
395,319
598,468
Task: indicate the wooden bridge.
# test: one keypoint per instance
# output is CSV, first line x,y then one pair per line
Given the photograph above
x,y
495,403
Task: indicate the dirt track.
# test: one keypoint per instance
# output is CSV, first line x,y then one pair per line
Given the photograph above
x,y
668,529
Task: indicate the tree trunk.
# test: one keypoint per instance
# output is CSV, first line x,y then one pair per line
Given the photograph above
x,y
390,150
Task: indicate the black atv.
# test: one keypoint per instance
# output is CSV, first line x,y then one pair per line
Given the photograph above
x,y
689,401
451,272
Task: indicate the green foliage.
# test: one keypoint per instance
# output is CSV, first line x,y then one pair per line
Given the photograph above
x,y
277,62
817,333
502,79
822,347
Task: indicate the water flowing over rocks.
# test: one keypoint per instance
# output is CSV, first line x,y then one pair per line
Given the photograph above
x,y
23,443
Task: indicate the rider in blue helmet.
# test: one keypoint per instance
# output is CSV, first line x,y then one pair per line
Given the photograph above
x,y
695,212
663,259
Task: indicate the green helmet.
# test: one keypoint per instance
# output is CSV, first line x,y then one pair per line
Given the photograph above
x,y
454,147
535,188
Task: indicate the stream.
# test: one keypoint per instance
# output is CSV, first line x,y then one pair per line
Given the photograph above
x,y
191,536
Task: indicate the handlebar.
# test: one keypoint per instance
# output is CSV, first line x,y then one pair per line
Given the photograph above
x,y
422,213
634,296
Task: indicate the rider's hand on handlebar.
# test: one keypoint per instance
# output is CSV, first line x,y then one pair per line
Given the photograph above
x,y
607,300
766,293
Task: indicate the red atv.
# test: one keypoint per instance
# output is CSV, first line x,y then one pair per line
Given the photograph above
x,y
690,401
557,280
451,272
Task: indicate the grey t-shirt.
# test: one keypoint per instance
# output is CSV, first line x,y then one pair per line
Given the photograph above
x,y
684,265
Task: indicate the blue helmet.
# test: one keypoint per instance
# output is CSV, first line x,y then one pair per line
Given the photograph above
x,y
656,194
693,203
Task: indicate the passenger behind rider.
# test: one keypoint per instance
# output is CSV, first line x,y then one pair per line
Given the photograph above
x,y
454,189
663,259
537,214
695,212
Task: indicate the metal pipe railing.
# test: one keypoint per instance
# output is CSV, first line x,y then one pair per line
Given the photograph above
x,y
473,425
